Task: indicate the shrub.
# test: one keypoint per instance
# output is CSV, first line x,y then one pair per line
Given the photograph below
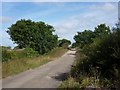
x,y
5,56
29,52
17,54
101,57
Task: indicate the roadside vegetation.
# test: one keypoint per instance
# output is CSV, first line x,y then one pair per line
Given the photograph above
x,y
37,45
97,63
16,66
9,54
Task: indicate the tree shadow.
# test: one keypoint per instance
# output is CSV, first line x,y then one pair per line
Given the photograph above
x,y
61,76
71,54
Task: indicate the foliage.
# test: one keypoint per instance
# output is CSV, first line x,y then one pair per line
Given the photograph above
x,y
64,43
8,55
87,37
74,45
102,30
5,55
5,47
36,35
83,38
105,55
98,63
29,52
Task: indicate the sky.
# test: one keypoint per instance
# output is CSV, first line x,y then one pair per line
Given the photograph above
x,y
68,18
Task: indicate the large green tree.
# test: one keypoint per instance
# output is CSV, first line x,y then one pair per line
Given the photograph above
x,y
36,35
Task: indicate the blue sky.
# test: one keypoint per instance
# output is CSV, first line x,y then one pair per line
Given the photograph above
x,y
67,18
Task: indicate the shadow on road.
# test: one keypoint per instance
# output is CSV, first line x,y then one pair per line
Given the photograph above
x,y
71,54
61,76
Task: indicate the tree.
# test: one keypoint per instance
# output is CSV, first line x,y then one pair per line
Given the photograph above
x,y
106,55
73,45
102,30
83,38
36,35
101,59
64,43
87,37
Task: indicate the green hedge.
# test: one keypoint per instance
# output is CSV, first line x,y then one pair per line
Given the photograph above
x,y
8,55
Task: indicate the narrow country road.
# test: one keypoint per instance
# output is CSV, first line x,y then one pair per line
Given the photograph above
x,y
49,75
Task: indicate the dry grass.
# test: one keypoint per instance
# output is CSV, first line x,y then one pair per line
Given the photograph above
x,y
69,83
16,66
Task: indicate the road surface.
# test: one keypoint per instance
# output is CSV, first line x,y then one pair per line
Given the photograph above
x,y
49,75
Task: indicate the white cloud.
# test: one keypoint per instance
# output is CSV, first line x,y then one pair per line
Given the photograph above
x,y
109,6
105,7
66,26
107,13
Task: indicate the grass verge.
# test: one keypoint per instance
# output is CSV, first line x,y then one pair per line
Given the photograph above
x,y
69,83
16,66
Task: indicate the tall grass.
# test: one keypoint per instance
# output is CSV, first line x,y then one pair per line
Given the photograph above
x,y
16,66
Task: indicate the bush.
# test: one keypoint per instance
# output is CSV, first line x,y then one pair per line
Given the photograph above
x,y
100,59
5,56
29,52
8,55
106,56
70,83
